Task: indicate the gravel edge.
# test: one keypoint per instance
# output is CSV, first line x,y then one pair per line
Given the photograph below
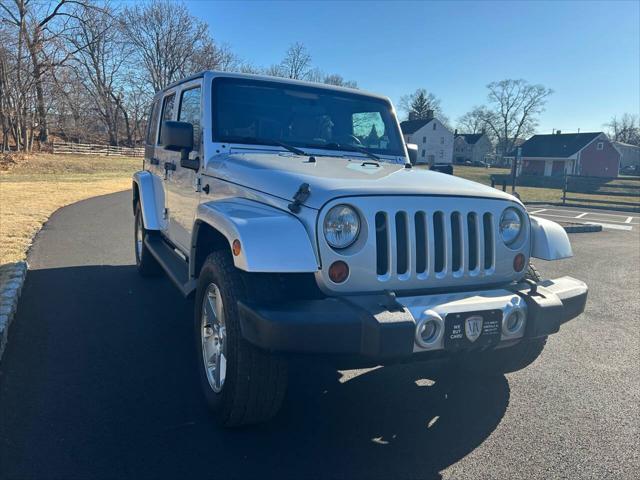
x,y
12,277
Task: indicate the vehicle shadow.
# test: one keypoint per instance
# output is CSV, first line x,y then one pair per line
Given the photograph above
x,y
99,380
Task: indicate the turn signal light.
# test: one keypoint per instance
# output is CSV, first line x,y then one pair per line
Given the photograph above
x,y
236,247
518,262
338,271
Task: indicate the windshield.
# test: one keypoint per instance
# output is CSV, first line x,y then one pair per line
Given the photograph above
x,y
254,112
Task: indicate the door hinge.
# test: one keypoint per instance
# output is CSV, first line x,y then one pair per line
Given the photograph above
x,y
198,184
165,214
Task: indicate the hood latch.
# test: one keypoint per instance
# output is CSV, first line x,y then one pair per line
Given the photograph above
x,y
300,197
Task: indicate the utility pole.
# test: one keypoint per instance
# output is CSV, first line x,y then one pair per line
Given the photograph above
x,y
514,169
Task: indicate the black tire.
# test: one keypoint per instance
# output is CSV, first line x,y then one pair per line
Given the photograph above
x,y
255,381
505,360
146,263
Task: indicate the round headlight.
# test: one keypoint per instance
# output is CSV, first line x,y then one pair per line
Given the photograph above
x,y
510,225
341,226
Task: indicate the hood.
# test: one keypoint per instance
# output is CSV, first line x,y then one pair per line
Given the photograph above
x,y
282,173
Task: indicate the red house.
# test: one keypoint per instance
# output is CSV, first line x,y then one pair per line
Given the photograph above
x,y
588,154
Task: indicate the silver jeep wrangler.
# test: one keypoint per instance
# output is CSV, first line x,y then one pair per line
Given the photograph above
x,y
292,213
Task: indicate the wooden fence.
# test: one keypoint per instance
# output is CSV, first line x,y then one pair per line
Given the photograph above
x,y
92,149
616,193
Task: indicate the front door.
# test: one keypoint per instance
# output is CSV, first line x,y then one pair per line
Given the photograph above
x,y
182,183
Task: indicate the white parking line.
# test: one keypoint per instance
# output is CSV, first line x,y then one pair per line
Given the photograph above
x,y
611,226
628,220
584,220
591,212
538,211
582,215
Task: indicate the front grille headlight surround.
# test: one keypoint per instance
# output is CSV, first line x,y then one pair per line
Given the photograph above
x,y
510,226
341,226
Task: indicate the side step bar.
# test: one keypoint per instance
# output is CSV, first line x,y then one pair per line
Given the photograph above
x,y
175,266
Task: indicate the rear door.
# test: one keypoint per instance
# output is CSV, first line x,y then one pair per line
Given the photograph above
x,y
182,183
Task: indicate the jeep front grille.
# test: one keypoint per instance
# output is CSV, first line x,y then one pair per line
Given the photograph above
x,y
436,244
413,243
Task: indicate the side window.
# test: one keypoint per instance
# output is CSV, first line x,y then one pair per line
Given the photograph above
x,y
189,111
152,123
167,112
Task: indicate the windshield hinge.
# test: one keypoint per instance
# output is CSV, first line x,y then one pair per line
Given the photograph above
x,y
300,197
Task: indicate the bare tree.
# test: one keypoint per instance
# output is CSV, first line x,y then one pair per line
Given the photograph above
x,y
473,121
514,106
624,129
100,63
297,62
339,80
40,26
416,105
168,40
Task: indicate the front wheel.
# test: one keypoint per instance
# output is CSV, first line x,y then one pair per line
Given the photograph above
x,y
241,384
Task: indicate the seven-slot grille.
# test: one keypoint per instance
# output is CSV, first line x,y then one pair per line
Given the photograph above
x,y
436,244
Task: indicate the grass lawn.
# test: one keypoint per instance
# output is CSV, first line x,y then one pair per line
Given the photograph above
x,y
32,187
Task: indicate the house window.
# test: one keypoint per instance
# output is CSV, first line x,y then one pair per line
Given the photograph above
x,y
441,154
424,139
600,146
441,140
434,125
423,153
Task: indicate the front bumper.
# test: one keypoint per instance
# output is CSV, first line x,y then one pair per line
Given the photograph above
x,y
379,327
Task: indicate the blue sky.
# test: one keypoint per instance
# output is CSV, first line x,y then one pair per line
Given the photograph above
x,y
587,52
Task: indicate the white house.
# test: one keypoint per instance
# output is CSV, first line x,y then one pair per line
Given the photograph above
x,y
630,154
433,138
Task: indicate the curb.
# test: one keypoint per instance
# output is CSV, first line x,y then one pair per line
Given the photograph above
x,y
12,276
582,228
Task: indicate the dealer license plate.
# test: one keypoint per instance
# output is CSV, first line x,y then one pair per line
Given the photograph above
x,y
472,329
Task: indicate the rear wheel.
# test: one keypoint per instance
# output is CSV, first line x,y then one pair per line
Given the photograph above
x,y
146,263
241,383
505,360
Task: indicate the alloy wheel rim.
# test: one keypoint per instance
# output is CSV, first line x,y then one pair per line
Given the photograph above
x,y
213,334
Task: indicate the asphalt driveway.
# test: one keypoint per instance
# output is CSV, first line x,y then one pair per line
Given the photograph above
x,y
99,381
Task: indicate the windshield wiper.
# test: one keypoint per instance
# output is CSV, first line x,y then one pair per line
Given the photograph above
x,y
352,148
268,141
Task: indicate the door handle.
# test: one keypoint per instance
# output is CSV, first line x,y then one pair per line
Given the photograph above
x,y
169,166
154,161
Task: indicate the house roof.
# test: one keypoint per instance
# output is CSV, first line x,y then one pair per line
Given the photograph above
x,y
556,145
470,138
412,126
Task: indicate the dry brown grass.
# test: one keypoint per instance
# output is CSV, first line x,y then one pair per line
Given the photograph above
x,y
33,187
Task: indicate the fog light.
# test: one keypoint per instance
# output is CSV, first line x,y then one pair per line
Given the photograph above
x,y
513,322
518,262
429,330
338,271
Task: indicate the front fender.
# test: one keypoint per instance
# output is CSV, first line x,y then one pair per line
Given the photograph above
x,y
549,241
151,197
271,240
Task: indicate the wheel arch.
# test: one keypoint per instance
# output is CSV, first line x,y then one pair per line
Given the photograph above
x,y
259,229
149,197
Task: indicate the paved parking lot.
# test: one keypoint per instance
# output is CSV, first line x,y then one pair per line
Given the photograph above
x,y
99,381
609,219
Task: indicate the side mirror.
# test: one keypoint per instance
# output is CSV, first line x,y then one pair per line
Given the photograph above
x,y
178,137
412,150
